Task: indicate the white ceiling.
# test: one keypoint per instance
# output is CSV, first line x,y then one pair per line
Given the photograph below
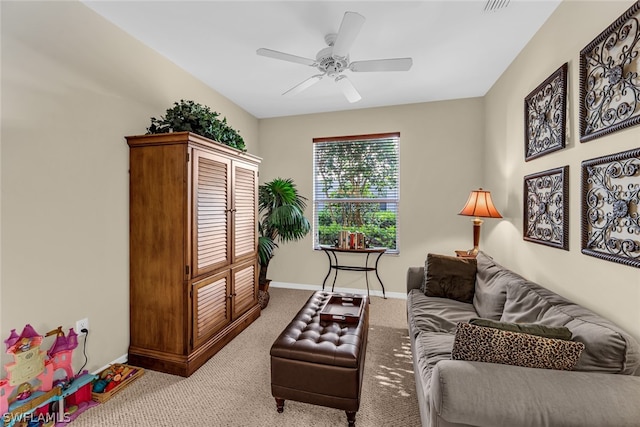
x,y
458,50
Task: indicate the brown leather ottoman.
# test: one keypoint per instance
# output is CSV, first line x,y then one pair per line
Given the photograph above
x,y
320,362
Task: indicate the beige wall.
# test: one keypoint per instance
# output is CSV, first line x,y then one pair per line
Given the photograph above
x,y
610,289
440,163
73,85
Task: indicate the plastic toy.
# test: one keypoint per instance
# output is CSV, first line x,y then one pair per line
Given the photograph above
x,y
112,376
29,394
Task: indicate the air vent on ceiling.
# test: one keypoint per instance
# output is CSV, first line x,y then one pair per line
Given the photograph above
x,y
494,5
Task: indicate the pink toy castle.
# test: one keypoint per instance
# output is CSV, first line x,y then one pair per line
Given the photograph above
x,y
29,372
62,350
30,384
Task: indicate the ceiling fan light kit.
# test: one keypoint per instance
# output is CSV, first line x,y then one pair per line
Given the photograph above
x,y
333,60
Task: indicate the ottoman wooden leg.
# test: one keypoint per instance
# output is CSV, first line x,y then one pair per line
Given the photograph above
x,y
351,417
280,405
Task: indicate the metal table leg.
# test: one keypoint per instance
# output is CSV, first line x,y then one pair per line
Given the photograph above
x,y
335,267
328,272
366,274
384,295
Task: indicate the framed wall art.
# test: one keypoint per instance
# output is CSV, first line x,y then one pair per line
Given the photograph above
x,y
546,208
609,82
545,114
611,207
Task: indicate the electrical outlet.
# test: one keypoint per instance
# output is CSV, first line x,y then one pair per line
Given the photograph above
x,y
82,324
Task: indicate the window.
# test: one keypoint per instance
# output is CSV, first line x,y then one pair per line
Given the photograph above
x,y
356,188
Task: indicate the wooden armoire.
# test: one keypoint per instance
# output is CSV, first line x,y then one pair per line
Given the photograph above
x,y
193,249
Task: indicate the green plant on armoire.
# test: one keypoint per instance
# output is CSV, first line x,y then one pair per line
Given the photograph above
x,y
189,116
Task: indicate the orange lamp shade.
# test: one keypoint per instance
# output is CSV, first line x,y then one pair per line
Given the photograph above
x,y
480,205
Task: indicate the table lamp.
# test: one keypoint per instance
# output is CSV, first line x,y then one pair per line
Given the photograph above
x,y
479,206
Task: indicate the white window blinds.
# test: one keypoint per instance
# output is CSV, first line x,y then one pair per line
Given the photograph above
x,y
356,188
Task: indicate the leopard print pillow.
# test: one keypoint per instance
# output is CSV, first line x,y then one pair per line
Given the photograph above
x,y
482,344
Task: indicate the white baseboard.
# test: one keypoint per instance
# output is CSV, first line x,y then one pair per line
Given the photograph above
x,y
121,359
395,295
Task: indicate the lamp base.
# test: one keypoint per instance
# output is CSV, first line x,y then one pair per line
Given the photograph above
x,y
477,223
471,253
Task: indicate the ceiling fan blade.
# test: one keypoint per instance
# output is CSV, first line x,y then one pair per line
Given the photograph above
x,y
285,56
348,89
394,64
304,85
349,29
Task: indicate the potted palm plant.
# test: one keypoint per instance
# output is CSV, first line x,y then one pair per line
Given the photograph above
x,y
281,212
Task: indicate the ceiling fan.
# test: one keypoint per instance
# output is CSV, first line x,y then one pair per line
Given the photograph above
x,y
332,61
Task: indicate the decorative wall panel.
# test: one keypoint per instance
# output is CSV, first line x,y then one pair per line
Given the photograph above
x,y
546,208
545,113
610,200
609,83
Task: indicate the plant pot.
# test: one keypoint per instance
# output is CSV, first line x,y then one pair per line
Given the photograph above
x,y
264,286
263,294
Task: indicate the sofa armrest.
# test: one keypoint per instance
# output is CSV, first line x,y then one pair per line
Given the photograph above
x,y
489,394
415,276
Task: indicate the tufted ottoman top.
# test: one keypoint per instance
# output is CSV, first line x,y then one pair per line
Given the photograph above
x,y
329,343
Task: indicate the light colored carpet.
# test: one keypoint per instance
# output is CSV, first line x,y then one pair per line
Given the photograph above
x,y
233,388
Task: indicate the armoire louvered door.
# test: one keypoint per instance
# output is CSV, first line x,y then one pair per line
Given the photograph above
x,y
212,212
211,306
244,290
245,223
245,205
193,249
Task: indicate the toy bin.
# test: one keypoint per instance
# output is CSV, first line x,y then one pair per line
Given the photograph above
x,y
113,380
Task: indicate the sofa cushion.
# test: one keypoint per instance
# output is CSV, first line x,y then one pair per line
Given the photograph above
x,y
486,394
607,347
482,344
429,349
491,286
450,277
555,332
432,314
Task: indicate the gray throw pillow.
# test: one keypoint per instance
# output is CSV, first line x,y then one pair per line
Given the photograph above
x,y
450,277
555,332
491,287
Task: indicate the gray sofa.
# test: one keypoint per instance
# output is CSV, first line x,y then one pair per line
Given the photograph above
x,y
601,390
